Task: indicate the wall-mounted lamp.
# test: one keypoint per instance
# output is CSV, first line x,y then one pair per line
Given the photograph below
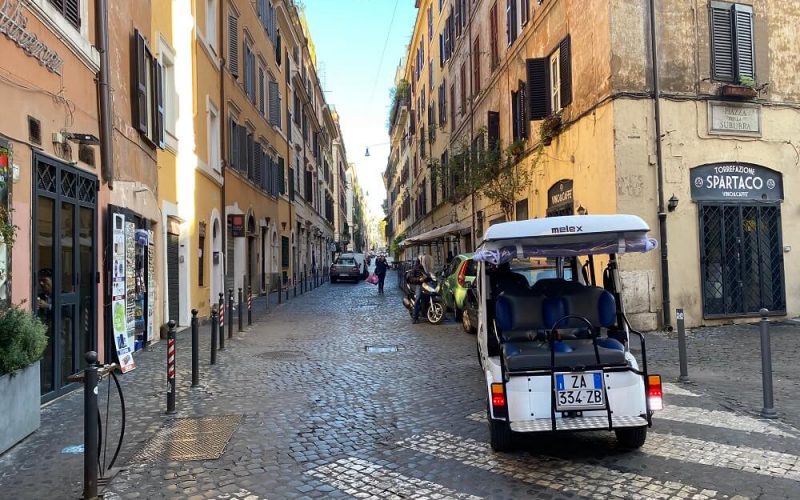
x,y
672,203
582,211
283,226
367,153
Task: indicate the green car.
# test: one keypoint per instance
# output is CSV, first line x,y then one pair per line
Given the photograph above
x,y
457,277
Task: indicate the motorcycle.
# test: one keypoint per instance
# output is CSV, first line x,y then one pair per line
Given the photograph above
x,y
432,308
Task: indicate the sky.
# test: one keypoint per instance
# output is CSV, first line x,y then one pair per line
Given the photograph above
x,y
357,74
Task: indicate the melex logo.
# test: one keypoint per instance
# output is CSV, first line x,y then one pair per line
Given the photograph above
x,y
567,229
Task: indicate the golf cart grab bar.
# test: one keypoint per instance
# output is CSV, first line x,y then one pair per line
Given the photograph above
x,y
644,368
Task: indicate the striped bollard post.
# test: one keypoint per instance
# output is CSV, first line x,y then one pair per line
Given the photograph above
x,y
249,305
171,367
221,321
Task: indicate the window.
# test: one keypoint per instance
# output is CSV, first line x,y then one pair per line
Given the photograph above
x,y
493,130
549,86
211,24
511,21
555,83
463,88
249,73
458,18
476,66
170,94
262,91
233,45
493,36
70,9
519,121
297,110
214,160
732,42
149,102
274,103
453,105
430,24
201,253
524,12
430,76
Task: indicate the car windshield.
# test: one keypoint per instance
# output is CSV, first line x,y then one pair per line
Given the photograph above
x,y
538,269
346,262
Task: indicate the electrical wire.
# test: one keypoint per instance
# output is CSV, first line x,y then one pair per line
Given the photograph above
x,y
383,53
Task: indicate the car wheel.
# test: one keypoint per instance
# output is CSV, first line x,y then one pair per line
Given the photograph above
x,y
436,313
500,435
631,438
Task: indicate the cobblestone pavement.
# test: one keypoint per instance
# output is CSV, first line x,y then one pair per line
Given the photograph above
x,y
314,415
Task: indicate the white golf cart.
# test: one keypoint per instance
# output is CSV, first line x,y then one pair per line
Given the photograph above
x,y
554,345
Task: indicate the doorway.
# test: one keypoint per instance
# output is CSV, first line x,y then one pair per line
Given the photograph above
x,y
64,268
173,280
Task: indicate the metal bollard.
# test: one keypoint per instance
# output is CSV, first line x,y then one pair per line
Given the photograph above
x,y
195,349
222,320
295,287
230,311
241,307
214,334
171,367
768,411
90,429
684,377
249,305
302,284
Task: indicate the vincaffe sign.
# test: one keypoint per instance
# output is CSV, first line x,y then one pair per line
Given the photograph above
x,y
14,26
734,182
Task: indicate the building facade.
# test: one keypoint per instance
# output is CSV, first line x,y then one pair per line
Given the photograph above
x,y
569,86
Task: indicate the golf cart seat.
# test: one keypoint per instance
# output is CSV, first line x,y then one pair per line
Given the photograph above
x,y
522,319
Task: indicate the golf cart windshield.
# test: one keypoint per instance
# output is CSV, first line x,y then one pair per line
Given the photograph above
x,y
569,236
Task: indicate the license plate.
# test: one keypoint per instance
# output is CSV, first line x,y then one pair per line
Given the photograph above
x,y
578,391
344,274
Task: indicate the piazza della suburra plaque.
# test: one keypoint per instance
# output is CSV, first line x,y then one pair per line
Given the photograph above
x,y
732,118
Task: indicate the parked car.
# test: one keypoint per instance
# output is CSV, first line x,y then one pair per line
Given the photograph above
x,y
469,316
346,267
363,264
458,275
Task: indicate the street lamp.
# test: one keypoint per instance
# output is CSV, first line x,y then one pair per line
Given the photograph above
x,y
672,203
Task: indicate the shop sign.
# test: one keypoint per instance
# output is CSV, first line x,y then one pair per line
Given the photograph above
x,y
14,26
726,118
735,181
236,222
560,194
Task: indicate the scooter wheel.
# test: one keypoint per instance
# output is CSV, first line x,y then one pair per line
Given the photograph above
x,y
435,313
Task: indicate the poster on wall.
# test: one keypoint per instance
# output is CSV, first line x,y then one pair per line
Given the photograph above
x,y
130,281
5,178
122,341
151,287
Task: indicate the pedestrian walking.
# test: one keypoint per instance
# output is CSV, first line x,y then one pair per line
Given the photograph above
x,y
380,270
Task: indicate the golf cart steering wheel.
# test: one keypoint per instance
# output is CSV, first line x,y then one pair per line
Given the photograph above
x,y
551,335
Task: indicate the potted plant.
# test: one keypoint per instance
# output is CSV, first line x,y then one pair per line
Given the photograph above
x,y
550,128
745,89
23,339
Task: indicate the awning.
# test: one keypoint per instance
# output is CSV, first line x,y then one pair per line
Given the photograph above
x,y
434,234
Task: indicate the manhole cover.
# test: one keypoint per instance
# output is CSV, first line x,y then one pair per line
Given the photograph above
x,y
280,355
185,439
381,348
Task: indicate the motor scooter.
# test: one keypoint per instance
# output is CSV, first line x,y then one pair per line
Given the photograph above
x,y
432,306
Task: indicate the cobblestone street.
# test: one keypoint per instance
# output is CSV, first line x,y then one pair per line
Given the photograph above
x,y
315,415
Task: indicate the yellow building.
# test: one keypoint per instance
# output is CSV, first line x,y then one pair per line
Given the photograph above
x,y
569,83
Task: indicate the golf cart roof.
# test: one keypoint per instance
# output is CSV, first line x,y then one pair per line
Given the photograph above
x,y
565,237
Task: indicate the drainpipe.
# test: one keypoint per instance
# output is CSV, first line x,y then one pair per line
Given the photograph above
x,y
222,151
473,222
104,93
662,215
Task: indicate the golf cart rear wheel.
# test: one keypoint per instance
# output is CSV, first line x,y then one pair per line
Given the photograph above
x,y
499,435
631,438
435,313
466,323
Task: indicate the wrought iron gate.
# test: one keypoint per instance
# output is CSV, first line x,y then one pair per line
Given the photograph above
x,y
741,258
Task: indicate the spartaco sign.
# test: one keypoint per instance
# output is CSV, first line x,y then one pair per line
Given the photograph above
x,y
735,182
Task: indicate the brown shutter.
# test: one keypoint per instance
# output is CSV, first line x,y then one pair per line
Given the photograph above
x,y
538,98
140,77
522,110
565,67
493,130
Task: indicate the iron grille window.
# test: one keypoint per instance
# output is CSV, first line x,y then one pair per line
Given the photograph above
x,y
741,259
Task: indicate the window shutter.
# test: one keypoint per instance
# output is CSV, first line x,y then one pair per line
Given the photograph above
x,y
72,11
412,123
493,130
140,68
565,67
274,111
721,42
242,149
745,60
278,51
159,92
281,175
514,116
262,91
538,98
522,107
233,45
259,159
233,161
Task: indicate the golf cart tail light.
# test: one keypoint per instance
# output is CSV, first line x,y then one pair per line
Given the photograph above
x,y
462,274
654,392
498,396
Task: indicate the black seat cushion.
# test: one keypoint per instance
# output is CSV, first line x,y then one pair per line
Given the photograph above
x,y
524,356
